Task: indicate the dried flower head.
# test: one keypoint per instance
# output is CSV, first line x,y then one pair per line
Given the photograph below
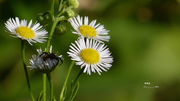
x,y
45,61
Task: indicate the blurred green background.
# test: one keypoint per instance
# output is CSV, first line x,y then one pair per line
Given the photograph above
x,y
145,44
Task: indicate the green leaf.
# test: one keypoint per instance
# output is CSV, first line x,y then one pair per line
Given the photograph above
x,y
54,99
39,96
74,90
63,95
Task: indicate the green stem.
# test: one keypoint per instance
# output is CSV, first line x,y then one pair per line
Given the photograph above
x,y
78,76
74,83
25,67
44,87
51,86
52,9
60,5
47,49
65,82
48,46
64,10
51,34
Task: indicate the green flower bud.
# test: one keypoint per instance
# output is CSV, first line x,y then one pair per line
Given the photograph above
x,y
73,3
70,13
45,18
40,18
60,29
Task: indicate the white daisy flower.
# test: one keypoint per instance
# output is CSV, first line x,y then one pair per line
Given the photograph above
x,y
20,29
91,30
92,55
45,61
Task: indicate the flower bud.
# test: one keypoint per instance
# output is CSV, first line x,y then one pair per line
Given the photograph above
x,y
44,19
60,29
40,18
73,3
70,13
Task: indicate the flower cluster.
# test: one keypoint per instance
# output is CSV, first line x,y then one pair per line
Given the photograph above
x,y
45,61
89,51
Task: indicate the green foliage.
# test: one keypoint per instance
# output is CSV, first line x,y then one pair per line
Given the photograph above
x,y
63,95
74,89
39,96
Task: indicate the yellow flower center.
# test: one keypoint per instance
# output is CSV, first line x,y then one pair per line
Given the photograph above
x,y
85,29
25,32
90,56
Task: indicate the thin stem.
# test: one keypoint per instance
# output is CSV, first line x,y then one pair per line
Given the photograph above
x,y
52,9
48,46
51,86
74,83
44,87
47,49
60,5
25,67
51,34
78,76
65,82
64,10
